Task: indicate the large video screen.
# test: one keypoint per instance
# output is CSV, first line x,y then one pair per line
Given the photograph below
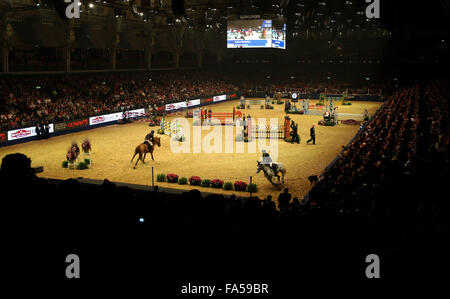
x,y
249,34
279,35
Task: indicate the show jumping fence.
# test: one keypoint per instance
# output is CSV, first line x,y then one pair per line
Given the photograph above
x,y
346,116
268,131
318,109
169,128
225,118
247,103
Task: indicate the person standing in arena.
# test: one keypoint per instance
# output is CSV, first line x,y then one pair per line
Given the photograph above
x,y
47,129
38,131
312,133
294,133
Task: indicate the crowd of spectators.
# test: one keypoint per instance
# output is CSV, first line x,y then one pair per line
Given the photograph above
x,y
27,100
395,171
24,101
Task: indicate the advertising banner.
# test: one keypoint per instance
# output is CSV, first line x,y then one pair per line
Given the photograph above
x,y
220,98
71,124
175,106
193,103
25,132
100,119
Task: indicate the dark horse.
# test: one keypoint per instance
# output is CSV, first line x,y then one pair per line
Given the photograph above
x,y
143,149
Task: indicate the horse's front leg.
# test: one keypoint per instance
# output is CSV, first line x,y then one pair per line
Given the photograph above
x,y
278,177
143,160
152,156
282,175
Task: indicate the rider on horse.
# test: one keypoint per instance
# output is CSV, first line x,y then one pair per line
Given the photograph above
x,y
266,159
149,139
75,149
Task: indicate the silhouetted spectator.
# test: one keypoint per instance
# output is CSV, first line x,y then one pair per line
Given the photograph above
x,y
284,199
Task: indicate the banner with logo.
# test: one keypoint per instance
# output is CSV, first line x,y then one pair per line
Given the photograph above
x,y
175,106
135,112
193,103
25,132
220,98
71,124
100,119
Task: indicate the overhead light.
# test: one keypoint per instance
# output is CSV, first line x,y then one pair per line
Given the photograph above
x,y
91,5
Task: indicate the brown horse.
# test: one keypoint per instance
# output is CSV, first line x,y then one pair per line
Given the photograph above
x,y
143,149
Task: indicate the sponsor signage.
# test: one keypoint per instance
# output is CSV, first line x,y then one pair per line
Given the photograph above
x,y
175,106
71,124
100,119
25,132
230,96
220,98
195,102
3,137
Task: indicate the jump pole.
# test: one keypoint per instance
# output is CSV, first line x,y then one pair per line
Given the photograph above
x,y
250,186
153,184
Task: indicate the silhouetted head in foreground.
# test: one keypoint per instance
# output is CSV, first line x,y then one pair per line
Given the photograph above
x,y
16,168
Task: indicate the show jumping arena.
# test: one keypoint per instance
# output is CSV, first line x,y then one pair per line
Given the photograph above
x,y
113,146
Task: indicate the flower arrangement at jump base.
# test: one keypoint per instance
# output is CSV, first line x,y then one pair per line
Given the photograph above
x,y
240,186
195,180
207,183
216,183
160,177
172,178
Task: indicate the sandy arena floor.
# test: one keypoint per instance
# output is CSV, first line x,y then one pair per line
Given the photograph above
x,y
113,146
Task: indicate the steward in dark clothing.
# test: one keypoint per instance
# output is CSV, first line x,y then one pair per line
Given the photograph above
x,y
312,133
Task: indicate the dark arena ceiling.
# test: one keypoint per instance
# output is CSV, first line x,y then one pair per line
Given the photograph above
x,y
325,30
341,18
